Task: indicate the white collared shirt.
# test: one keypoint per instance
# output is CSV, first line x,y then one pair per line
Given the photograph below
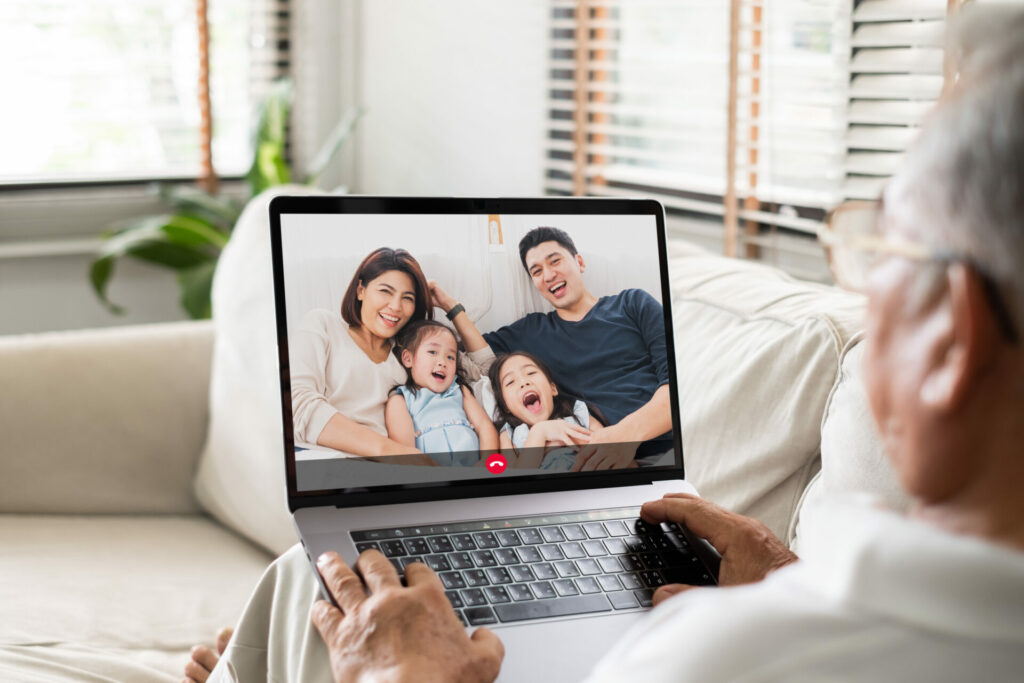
x,y
875,597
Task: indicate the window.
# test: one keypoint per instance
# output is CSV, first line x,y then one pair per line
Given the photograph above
x,y
107,89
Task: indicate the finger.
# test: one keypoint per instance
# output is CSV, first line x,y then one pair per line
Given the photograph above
x,y
700,516
419,574
489,642
196,672
377,571
204,656
581,459
223,638
591,464
347,588
327,619
667,591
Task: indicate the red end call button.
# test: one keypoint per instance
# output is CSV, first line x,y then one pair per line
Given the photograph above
x,y
496,463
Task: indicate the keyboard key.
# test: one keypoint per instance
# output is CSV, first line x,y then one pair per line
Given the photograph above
x,y
521,573
498,575
462,617
635,544
565,587
485,539
475,577
642,528
506,556
497,594
529,554
452,580
406,561
397,565
440,544
616,546
594,548
463,542
573,550
393,548
566,569
544,571
367,545
551,552
679,558
616,529
460,560
530,536
595,530
693,575
609,583
520,592
539,609
543,589
478,616
454,598
630,581
588,567
552,534
417,546
652,560
609,565
623,600
588,584
439,563
573,532
645,596
484,558
473,597
508,537
652,579
631,562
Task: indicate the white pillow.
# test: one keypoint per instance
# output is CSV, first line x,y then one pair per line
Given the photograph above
x,y
240,479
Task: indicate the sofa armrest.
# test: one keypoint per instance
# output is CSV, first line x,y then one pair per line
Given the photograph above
x,y
103,421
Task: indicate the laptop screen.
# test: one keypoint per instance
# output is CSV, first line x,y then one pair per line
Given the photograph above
x,y
452,346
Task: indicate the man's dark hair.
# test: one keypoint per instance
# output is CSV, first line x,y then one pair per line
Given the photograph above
x,y
544,234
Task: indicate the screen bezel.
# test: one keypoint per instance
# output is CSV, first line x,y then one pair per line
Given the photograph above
x,y
408,493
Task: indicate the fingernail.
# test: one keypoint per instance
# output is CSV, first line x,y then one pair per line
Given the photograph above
x,y
322,560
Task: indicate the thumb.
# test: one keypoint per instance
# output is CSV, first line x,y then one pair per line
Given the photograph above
x,y
326,617
486,640
668,590
223,637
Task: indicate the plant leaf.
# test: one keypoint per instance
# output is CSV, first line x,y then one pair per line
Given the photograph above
x,y
196,284
269,167
99,275
194,231
220,211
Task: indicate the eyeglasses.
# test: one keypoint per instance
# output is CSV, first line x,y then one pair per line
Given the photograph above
x,y
854,244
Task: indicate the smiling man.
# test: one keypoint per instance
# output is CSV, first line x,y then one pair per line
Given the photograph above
x,y
608,351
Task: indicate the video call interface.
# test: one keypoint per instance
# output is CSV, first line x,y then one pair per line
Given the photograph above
x,y
431,349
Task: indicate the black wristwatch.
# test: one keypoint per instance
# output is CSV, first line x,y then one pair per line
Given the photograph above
x,y
456,309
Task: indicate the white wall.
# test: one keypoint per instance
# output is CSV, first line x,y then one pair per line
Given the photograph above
x,y
455,96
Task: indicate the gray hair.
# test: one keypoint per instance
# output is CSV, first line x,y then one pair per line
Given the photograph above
x,y
964,175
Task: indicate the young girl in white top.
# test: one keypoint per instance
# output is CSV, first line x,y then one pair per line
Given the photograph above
x,y
534,416
433,411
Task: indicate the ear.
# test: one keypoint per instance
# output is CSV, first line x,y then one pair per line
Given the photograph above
x,y
360,291
407,358
580,263
554,389
968,343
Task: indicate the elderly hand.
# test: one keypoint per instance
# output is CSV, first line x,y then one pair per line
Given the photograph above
x,y
614,452
748,548
398,633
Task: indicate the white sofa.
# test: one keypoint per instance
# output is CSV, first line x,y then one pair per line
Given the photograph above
x,y
110,569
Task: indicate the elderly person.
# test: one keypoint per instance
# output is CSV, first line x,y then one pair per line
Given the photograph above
x,y
937,594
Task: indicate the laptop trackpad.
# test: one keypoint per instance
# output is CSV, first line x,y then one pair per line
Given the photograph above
x,y
565,650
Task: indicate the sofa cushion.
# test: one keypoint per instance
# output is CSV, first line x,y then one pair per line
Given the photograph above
x,y
240,479
117,595
757,355
103,421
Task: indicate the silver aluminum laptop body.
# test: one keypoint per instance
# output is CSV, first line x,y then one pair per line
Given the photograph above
x,y
331,497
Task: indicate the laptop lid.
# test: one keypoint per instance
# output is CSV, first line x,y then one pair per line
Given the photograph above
x,y
600,370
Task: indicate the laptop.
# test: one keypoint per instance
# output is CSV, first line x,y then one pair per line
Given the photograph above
x,y
526,538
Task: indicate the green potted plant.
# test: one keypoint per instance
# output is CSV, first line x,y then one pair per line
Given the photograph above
x,y
189,238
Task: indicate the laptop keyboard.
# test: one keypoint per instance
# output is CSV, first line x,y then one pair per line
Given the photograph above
x,y
522,568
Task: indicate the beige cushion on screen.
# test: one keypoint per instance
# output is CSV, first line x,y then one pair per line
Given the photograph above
x,y
69,610
757,354
240,480
103,421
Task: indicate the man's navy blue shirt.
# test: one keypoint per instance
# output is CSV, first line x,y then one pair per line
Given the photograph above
x,y
614,358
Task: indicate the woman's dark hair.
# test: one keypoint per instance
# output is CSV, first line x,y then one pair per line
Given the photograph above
x,y
380,261
410,338
562,404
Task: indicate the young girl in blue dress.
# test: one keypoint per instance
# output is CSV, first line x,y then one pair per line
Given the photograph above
x,y
434,412
534,416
